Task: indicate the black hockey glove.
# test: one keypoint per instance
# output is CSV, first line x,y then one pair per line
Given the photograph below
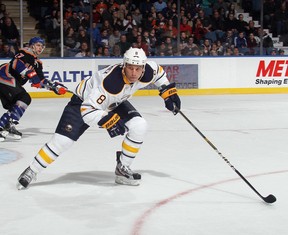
x,y
113,124
57,87
171,99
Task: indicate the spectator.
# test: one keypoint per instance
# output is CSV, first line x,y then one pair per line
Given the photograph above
x,y
159,5
189,49
85,22
184,26
123,44
145,7
242,25
228,39
161,49
6,52
153,41
231,23
281,52
228,51
206,47
220,5
183,39
269,9
106,52
101,5
10,33
137,16
273,52
267,41
116,51
104,38
217,27
114,38
206,22
199,31
83,36
149,22
241,43
132,34
68,13
123,11
213,50
2,10
96,35
281,19
116,22
236,52
113,5
71,45
74,21
206,6
231,9
99,52
107,26
66,25
84,50
251,28
220,48
128,22
252,44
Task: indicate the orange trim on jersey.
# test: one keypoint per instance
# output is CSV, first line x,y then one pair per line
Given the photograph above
x,y
11,80
14,64
160,69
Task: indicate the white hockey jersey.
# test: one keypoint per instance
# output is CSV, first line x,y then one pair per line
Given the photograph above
x,y
109,87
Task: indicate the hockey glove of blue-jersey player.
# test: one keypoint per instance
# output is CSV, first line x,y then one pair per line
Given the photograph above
x,y
56,87
113,124
171,98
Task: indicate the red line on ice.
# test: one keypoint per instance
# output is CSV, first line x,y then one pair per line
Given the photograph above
x,y
143,218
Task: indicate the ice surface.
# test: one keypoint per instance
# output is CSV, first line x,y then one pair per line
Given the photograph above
x,y
186,187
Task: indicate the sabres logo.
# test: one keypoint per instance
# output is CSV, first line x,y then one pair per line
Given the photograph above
x,y
68,128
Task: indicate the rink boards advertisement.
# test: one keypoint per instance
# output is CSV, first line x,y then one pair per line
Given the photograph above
x,y
192,75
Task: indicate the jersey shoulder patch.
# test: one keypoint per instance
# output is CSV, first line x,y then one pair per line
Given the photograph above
x,y
113,83
148,74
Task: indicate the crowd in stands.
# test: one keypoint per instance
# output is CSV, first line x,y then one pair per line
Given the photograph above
x,y
9,34
207,27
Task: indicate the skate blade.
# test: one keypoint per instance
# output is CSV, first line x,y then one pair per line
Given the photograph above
x,y
20,186
14,137
124,181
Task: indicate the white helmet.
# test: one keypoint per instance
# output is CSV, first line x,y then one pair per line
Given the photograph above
x,y
135,56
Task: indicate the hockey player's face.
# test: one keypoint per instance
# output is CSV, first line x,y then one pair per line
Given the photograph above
x,y
133,72
38,48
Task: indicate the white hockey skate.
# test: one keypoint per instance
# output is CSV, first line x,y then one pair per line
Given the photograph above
x,y
26,178
3,134
13,133
124,175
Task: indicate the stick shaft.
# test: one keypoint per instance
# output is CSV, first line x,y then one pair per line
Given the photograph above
x,y
220,154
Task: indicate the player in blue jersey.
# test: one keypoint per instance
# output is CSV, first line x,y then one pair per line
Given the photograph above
x,y
13,75
103,100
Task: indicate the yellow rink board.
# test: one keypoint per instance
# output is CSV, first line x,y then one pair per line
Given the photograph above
x,y
216,91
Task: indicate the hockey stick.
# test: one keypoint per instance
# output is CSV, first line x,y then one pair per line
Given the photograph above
x,y
269,199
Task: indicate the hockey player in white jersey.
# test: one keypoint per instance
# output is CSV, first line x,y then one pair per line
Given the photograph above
x,y
102,100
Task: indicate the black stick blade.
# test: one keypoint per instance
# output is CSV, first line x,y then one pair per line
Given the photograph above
x,y
270,199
